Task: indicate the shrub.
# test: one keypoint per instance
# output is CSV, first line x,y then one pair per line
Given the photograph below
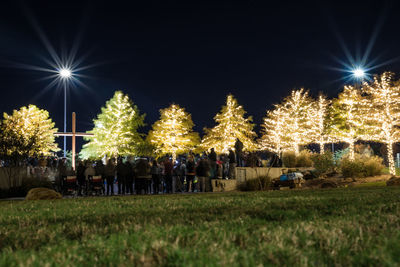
x,y
304,159
323,163
257,184
351,168
361,166
373,166
289,159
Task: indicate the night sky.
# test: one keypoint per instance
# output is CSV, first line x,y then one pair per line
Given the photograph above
x,y
192,53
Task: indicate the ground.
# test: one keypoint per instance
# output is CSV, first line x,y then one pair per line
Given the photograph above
x,y
346,226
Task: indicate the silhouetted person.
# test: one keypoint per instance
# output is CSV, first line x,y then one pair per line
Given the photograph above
x,y
109,172
168,168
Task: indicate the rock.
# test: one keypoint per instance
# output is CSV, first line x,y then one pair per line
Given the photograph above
x,y
42,193
394,181
321,183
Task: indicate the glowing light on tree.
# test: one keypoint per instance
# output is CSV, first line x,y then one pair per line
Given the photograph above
x,y
383,99
115,131
272,131
173,132
34,130
319,123
348,118
297,110
231,125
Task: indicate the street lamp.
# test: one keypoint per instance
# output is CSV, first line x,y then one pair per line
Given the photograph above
x,y
65,74
358,73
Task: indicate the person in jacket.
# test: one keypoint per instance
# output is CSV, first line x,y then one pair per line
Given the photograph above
x,y
155,176
121,176
168,168
190,174
232,164
109,172
80,176
212,156
202,173
130,176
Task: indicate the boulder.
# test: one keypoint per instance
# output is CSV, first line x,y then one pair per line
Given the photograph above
x,y
42,193
393,181
321,183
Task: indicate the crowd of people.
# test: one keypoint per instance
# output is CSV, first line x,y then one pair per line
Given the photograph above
x,y
190,173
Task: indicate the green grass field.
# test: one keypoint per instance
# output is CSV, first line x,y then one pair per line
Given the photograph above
x,y
352,226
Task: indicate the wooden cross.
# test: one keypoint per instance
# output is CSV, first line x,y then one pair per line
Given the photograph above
x,y
73,134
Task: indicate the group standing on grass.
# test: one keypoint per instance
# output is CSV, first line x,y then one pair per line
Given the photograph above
x,y
191,173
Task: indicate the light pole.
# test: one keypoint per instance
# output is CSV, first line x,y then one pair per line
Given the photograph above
x,y
65,75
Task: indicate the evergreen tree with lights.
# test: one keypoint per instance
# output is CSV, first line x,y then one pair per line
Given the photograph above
x,y
347,118
231,125
28,132
173,133
383,100
115,131
319,129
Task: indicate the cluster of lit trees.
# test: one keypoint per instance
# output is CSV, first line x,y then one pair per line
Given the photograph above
x,y
369,112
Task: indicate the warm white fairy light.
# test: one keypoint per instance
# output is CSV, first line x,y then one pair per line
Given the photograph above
x,y
383,100
173,133
231,125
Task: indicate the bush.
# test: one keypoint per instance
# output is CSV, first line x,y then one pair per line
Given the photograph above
x,y
289,159
257,184
323,163
361,167
373,166
304,159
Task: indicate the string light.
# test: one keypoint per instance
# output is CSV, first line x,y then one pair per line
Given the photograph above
x,y
382,98
115,129
35,129
173,133
231,125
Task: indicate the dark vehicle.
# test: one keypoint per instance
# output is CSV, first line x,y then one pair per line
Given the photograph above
x,y
290,180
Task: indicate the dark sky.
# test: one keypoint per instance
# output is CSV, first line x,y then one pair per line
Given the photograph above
x,y
192,53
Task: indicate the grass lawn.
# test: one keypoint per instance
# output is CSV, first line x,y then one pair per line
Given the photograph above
x,y
349,226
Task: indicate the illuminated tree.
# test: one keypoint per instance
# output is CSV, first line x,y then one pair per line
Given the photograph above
x,y
319,129
173,132
296,110
29,132
347,121
272,138
231,125
383,98
115,131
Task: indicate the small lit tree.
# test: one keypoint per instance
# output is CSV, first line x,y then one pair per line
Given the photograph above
x,y
297,110
231,125
173,132
272,138
347,115
115,131
383,98
318,119
34,130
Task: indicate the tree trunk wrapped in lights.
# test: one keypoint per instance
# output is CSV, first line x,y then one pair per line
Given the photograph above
x,y
29,132
173,132
348,121
383,98
231,125
115,129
